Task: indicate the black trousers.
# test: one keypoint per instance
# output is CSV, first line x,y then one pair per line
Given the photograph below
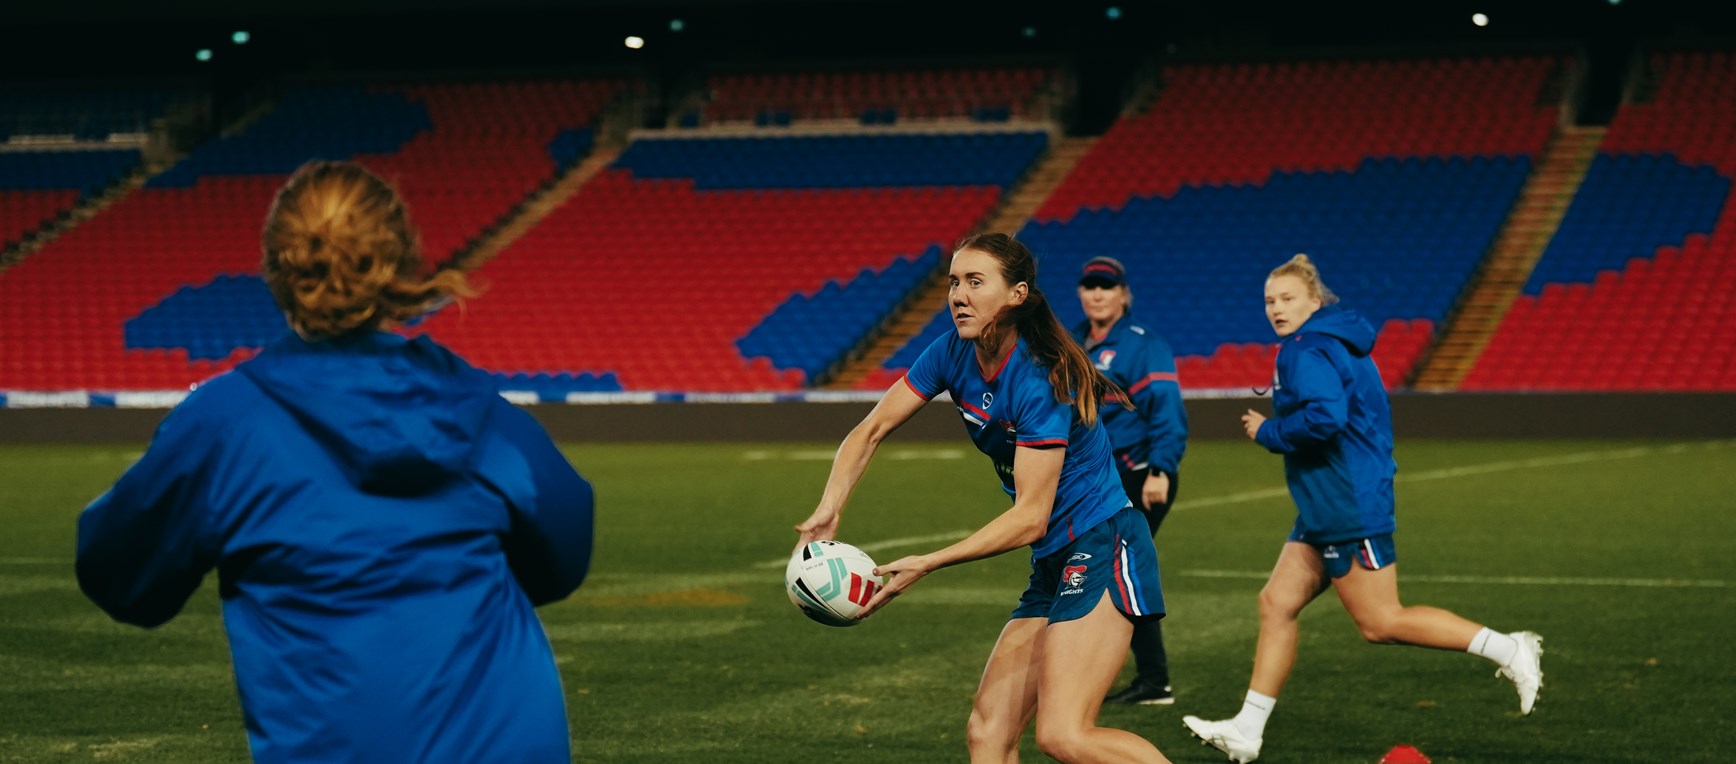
x,y
1149,658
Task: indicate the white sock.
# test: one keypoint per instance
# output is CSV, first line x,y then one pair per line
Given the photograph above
x,y
1256,708
1495,646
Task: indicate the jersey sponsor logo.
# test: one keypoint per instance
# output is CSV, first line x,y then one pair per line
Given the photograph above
x,y
1104,359
1073,580
988,400
1079,556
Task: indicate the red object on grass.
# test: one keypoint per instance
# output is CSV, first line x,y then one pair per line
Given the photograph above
x,y
1404,754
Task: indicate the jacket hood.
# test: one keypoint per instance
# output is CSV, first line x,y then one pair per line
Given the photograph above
x,y
401,416
1343,324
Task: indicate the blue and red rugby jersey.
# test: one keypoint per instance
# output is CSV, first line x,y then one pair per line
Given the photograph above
x,y
1015,406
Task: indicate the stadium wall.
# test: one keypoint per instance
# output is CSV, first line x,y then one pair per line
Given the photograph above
x,y
1591,415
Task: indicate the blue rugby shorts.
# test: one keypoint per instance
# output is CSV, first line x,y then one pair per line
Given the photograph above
x,y
1116,557
1372,553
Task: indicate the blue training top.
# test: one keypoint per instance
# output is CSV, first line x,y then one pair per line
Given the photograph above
x,y
1154,433
1016,406
381,522
1334,428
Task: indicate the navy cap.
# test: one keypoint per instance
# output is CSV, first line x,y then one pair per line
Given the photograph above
x,y
1103,271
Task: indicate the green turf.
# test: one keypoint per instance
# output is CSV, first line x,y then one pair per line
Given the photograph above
x,y
682,647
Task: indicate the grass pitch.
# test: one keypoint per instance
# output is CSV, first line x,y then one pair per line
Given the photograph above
x,y
683,648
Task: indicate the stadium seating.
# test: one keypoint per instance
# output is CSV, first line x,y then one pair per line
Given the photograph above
x,y
38,186
1623,298
160,290
985,94
1395,176
729,264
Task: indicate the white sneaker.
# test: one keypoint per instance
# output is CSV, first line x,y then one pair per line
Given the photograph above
x,y
1526,669
1224,736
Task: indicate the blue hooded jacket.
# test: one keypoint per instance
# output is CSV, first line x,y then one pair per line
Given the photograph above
x,y
1139,361
382,523
1333,425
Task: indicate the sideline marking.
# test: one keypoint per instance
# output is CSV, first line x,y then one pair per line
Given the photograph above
x,y
1648,583
879,545
1581,457
816,455
1444,473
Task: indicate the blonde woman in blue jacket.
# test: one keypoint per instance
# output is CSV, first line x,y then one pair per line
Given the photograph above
x,y
1334,427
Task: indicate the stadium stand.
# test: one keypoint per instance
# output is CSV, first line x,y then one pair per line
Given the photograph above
x,y
733,264
161,290
1624,296
984,94
36,187
1395,175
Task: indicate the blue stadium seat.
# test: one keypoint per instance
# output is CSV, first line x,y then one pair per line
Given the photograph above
x,y
838,161
1627,207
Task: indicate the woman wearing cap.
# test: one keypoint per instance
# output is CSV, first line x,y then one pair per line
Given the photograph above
x,y
1334,428
381,520
1148,440
1029,400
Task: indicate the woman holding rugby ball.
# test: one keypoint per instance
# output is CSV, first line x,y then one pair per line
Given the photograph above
x,y
1029,399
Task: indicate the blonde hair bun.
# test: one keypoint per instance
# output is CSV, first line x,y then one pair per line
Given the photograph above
x,y
1303,268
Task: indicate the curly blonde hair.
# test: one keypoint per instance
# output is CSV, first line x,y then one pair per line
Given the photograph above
x,y
1303,268
341,254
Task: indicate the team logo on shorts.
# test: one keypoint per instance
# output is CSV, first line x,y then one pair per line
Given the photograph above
x,y
1072,579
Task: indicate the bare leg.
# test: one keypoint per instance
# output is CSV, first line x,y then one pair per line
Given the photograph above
x,y
1371,598
1296,580
1007,697
1087,654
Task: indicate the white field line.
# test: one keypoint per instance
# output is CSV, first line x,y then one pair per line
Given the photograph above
x,y
817,455
1243,497
879,545
1445,473
1650,583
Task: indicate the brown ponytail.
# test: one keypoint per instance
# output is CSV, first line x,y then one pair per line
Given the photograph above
x,y
1071,374
341,253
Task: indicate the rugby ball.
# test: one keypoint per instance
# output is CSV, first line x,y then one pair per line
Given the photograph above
x,y
830,581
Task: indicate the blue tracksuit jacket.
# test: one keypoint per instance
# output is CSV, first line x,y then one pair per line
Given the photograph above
x,y
381,523
1137,359
1333,425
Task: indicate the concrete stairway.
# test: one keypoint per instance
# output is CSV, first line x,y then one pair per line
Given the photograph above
x,y
535,207
87,208
1016,208
1533,222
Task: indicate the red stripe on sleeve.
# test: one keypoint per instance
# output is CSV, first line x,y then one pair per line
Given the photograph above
x,y
1039,443
1158,377
919,393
